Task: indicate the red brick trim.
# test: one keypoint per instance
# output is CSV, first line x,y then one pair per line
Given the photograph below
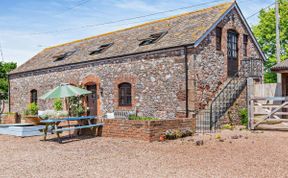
x,y
89,80
125,79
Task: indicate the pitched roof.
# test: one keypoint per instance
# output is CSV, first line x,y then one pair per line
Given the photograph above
x,y
280,66
182,29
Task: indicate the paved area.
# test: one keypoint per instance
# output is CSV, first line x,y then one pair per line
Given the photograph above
x,y
250,155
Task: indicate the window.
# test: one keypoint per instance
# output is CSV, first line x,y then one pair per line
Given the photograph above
x,y
152,38
63,56
101,48
33,96
125,97
232,53
245,44
218,38
232,44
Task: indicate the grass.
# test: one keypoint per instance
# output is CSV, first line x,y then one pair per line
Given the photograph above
x,y
227,126
140,118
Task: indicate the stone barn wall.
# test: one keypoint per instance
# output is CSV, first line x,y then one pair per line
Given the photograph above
x,y
158,83
158,78
208,66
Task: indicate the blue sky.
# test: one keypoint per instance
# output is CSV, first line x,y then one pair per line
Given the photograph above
x,y
28,26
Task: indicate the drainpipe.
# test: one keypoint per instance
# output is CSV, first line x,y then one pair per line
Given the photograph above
x,y
186,80
9,104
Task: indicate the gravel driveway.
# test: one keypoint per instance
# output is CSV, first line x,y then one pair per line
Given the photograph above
x,y
251,155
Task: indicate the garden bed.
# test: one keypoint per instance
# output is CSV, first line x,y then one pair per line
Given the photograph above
x,y
149,130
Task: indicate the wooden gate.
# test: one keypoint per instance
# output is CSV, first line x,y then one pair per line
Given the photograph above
x,y
267,112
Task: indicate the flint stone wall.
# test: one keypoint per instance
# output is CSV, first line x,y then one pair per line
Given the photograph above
x,y
208,66
159,83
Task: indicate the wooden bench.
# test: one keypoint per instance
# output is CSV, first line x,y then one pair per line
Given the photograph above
x,y
77,127
55,128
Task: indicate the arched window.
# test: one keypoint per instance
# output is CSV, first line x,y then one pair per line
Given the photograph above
x,y
232,52
125,97
232,44
33,96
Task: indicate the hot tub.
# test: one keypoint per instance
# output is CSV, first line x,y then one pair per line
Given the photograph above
x,y
21,130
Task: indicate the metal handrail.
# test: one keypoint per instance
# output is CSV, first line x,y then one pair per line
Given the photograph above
x,y
218,96
236,77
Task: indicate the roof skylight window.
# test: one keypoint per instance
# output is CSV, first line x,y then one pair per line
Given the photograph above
x,y
153,38
101,48
63,56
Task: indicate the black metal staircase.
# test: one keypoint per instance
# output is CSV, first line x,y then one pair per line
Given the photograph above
x,y
225,99
209,119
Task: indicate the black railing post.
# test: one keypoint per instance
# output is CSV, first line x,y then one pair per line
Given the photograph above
x,y
211,120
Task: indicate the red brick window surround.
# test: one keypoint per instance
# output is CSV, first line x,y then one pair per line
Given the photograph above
x,y
125,94
218,38
245,45
33,96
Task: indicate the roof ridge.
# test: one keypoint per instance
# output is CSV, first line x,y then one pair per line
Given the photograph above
x,y
141,25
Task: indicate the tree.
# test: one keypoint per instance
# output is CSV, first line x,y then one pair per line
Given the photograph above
x,y
265,32
5,68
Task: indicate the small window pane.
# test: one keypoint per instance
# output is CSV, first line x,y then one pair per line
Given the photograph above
x,y
125,97
218,38
245,45
33,96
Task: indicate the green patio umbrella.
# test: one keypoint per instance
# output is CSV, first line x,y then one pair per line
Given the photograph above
x,y
65,91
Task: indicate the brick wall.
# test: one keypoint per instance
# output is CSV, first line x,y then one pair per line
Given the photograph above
x,y
143,130
10,118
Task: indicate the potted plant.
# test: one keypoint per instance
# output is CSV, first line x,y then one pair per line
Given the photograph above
x,y
162,138
9,118
30,114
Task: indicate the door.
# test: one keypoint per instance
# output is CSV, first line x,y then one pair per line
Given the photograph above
x,y
92,100
232,53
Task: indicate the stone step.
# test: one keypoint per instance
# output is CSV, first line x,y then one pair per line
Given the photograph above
x,y
275,127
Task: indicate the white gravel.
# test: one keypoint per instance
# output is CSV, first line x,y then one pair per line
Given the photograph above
x,y
259,155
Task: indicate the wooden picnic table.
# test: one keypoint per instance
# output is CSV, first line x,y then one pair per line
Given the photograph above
x,y
55,128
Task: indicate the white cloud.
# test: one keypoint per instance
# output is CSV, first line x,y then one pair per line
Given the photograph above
x,y
136,5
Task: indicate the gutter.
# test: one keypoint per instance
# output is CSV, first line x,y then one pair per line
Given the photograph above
x,y
9,100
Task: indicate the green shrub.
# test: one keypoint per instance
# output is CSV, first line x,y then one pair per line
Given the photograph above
x,y
244,116
172,134
179,134
58,104
227,126
218,136
32,109
134,117
75,106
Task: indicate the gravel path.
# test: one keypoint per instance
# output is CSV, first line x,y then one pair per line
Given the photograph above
x,y
259,155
